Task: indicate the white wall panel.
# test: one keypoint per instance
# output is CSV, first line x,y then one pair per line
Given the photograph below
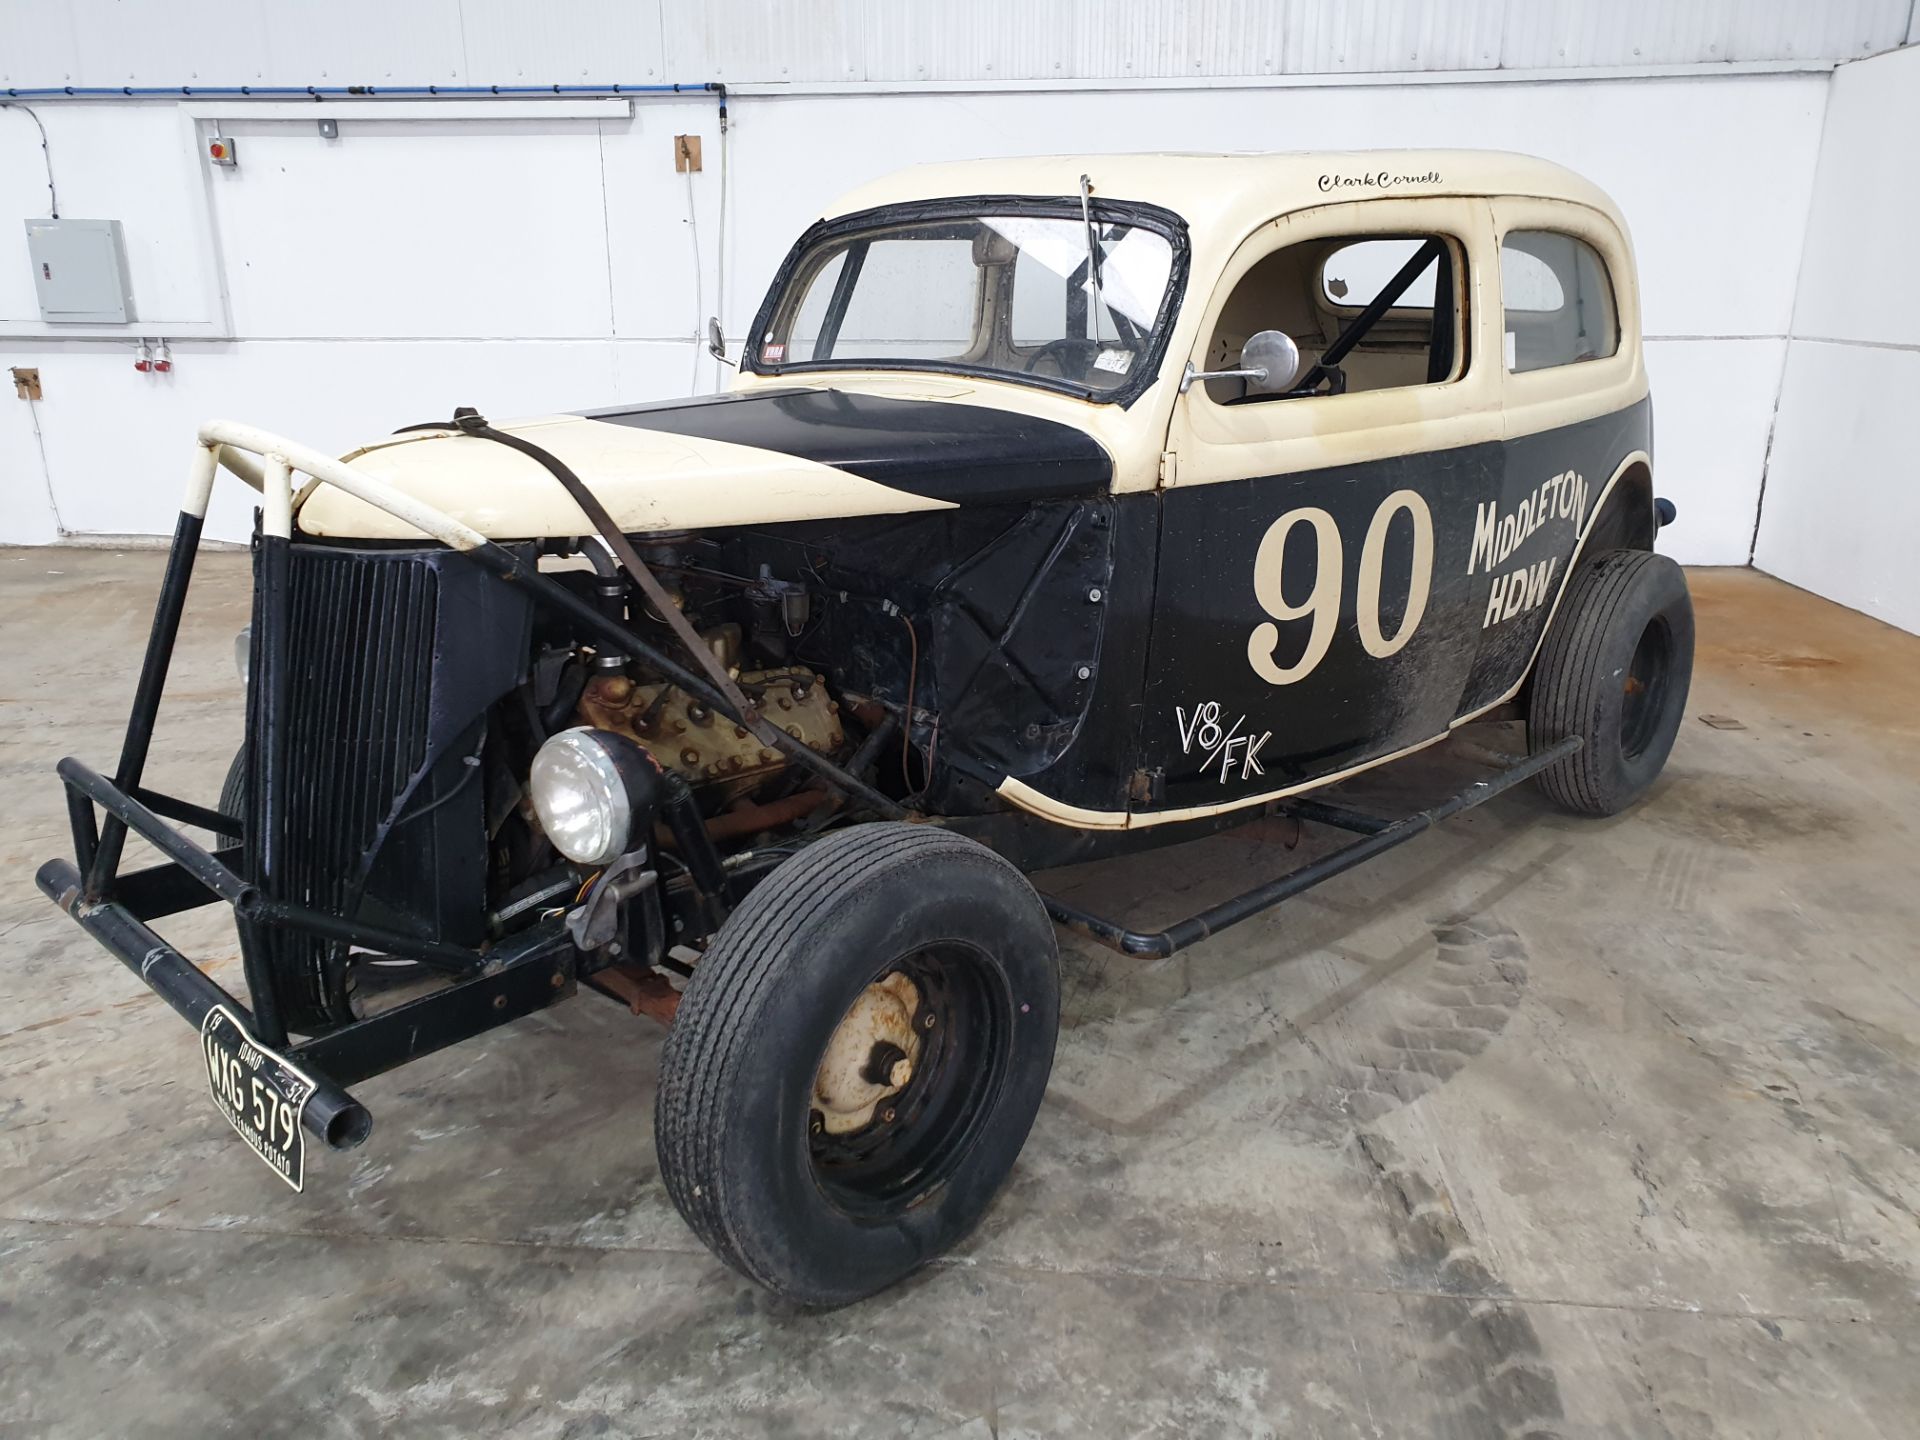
x,y
26,509
1392,35
1712,408
1793,30
129,163
654,217
1842,507
599,41
359,42
736,40
1552,34
332,394
38,41
1555,34
415,229
1859,280
122,44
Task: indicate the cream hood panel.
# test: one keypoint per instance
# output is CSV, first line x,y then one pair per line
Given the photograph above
x,y
648,480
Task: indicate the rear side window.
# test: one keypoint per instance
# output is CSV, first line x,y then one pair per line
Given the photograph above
x,y
1354,274
1558,301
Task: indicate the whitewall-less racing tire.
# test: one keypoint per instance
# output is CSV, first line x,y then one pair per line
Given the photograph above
x,y
857,1060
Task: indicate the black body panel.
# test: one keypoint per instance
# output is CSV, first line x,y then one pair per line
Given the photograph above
x,y
967,454
1592,450
1505,518
1347,706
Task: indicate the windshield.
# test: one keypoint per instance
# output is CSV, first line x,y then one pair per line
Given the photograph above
x,y
1003,294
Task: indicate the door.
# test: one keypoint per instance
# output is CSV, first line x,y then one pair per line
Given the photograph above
x,y
1313,612
1574,413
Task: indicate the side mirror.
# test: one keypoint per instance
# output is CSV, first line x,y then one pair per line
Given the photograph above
x,y
1274,354
1269,363
716,342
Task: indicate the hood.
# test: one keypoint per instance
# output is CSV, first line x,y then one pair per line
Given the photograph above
x,y
758,457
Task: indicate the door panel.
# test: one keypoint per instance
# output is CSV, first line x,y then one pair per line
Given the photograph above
x,y
1318,580
1245,591
1551,485
1314,608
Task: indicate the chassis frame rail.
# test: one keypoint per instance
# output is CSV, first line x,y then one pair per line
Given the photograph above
x,y
1377,837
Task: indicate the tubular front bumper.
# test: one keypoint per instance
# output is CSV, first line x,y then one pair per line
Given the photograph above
x,y
526,973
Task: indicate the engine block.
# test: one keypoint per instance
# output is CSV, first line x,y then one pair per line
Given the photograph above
x,y
686,735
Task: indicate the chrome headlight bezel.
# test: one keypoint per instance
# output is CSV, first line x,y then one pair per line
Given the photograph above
x,y
582,782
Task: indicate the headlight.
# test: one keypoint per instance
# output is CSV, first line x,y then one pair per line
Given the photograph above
x,y
588,787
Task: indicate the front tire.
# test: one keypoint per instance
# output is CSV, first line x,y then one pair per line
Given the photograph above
x,y
233,796
1615,671
857,1060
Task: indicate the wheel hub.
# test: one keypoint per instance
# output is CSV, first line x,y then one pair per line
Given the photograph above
x,y
871,1056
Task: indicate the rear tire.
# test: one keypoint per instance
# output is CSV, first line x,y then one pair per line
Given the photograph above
x,y
808,1199
1614,670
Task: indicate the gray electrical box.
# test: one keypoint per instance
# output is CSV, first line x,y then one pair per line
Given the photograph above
x,y
80,271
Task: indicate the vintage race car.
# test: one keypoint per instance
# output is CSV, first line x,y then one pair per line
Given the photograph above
x,y
1060,506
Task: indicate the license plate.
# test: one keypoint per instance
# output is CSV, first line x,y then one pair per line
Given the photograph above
x,y
261,1094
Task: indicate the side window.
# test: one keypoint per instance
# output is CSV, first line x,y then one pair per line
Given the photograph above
x,y
1367,312
1558,301
1352,275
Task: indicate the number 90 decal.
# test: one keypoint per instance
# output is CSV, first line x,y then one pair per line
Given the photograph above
x,y
1322,604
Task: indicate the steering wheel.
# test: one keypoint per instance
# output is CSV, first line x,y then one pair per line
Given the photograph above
x,y
1082,348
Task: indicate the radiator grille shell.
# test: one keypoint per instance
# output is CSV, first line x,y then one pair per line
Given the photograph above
x,y
392,658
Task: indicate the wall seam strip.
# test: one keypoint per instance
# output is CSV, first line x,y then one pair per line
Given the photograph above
x,y
1908,345
1793,310
606,229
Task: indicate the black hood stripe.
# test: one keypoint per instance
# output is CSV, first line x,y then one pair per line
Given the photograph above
x,y
966,454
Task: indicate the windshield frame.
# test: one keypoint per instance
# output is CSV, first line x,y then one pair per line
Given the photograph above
x,y
1159,220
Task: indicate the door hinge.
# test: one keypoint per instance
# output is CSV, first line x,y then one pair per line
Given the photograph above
x,y
1169,467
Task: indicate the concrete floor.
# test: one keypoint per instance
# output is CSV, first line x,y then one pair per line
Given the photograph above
x,y
1539,1125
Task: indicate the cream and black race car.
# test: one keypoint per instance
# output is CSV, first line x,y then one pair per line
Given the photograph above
x,y
1060,506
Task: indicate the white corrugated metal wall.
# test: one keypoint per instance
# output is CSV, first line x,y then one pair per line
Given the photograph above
x,y
837,42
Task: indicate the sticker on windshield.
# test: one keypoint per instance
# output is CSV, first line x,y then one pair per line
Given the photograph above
x,y
773,353
1116,361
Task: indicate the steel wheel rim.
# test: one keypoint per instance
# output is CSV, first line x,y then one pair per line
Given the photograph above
x,y
919,1136
1645,687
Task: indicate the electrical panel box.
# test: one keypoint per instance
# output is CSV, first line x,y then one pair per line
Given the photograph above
x,y
80,271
